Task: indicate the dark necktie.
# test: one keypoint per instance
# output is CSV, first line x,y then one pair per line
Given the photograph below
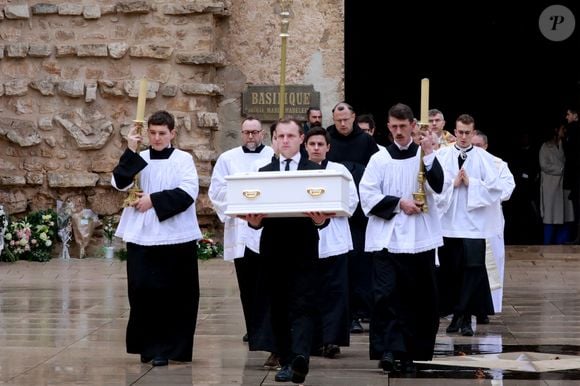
x,y
461,158
287,167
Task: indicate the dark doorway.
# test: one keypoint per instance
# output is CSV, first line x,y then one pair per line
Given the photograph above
x,y
485,58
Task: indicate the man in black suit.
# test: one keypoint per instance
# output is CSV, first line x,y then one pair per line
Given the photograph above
x,y
290,248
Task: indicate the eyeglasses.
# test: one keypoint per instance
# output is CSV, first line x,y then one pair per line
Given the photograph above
x,y
251,132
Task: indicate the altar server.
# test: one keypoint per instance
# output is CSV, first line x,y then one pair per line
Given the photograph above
x,y
495,246
332,266
403,238
160,230
469,206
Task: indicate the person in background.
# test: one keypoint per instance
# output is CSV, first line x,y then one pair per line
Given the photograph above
x,y
160,230
495,246
313,119
437,127
366,122
350,146
556,208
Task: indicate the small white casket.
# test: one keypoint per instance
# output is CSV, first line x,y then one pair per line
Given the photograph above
x,y
288,194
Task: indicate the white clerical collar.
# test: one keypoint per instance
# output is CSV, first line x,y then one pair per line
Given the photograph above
x,y
295,158
404,147
463,150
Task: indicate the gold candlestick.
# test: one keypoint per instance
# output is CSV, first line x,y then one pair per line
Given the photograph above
x,y
139,122
285,14
420,195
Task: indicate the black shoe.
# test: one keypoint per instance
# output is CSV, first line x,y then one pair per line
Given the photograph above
x,y
356,327
466,329
387,362
330,351
273,362
299,369
454,325
145,359
482,319
407,366
245,338
284,375
158,361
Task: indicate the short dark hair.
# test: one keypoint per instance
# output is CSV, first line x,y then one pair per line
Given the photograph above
x,y
434,112
317,130
482,135
162,118
290,120
466,119
367,118
401,111
310,109
250,118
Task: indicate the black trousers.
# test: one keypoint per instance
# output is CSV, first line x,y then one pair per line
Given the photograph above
x,y
333,316
292,284
163,289
463,282
360,274
405,316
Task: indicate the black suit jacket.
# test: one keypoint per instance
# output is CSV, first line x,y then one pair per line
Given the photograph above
x,y
293,237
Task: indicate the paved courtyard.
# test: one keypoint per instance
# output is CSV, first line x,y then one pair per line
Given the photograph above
x,y
63,323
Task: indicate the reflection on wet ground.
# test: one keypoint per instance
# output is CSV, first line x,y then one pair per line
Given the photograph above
x,y
63,322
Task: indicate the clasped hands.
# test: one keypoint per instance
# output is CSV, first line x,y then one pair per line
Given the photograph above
x,y
461,178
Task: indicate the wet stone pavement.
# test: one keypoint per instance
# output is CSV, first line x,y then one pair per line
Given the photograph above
x,y
63,323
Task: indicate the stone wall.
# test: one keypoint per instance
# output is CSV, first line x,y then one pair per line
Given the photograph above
x,y
70,72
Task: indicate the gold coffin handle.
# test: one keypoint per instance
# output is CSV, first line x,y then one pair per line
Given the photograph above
x,y
315,192
251,194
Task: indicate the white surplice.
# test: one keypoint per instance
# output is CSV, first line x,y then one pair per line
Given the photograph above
x,y
237,233
144,228
386,176
336,239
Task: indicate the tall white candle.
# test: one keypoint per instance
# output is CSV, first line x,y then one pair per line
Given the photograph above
x,y
424,100
141,100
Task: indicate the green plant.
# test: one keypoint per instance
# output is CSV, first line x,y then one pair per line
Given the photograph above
x,y
121,254
31,238
208,248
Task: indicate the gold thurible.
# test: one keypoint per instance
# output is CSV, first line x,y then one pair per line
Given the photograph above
x,y
139,122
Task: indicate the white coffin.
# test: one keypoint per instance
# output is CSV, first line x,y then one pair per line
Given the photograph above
x,y
288,194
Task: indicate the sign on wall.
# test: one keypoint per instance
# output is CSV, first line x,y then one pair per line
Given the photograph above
x,y
263,102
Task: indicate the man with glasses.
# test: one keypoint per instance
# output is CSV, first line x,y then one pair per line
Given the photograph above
x,y
468,205
437,125
240,241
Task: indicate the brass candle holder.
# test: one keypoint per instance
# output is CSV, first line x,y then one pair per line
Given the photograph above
x,y
138,124
419,196
133,197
